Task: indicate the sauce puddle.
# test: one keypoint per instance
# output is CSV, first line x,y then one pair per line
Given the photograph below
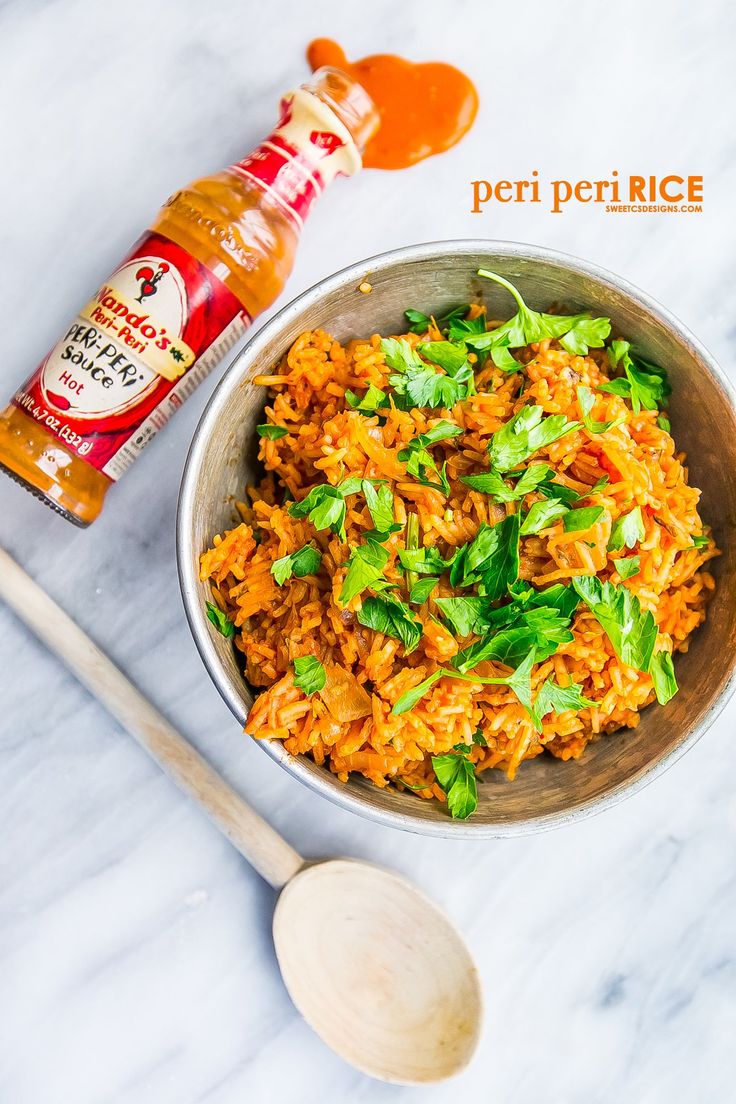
x,y
425,108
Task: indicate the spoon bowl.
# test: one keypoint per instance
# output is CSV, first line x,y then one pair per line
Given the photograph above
x,y
378,971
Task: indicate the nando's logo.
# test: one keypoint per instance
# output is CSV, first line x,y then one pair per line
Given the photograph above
x,y
148,280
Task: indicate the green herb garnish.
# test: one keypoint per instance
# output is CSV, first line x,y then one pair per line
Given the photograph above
x,y
380,502
303,562
491,560
420,591
421,322
456,775
220,620
628,566
586,399
309,675
643,383
416,383
524,434
631,630
576,333
542,515
419,461
325,505
663,676
495,484
370,403
626,530
365,569
271,432
389,615
577,521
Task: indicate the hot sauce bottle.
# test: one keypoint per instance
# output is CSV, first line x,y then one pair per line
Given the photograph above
x,y
219,253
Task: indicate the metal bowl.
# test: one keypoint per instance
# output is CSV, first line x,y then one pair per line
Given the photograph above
x,y
438,275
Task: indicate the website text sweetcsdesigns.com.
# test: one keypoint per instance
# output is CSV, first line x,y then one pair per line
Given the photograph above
x,y
670,194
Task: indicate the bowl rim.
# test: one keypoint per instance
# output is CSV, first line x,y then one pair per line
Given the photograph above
x,y
343,796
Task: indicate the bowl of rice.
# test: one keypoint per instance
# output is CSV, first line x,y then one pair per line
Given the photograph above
x,y
455,538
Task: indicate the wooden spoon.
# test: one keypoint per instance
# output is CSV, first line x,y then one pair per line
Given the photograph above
x,y
374,967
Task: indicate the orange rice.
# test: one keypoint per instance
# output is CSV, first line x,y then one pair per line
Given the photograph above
x,y
329,441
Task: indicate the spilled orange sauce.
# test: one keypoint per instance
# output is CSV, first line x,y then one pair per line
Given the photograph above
x,y
425,108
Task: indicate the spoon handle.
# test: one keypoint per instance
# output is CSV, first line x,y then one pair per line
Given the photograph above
x,y
266,851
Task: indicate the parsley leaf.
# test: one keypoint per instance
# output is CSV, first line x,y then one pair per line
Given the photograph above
x,y
643,383
701,541
576,332
380,503
303,562
418,384
453,358
220,620
577,521
325,505
370,403
491,560
586,400
543,514
365,569
419,460
456,775
421,322
423,561
309,675
663,676
519,681
631,630
392,617
493,483
626,530
586,333
553,698
271,432
539,632
628,566
422,589
524,434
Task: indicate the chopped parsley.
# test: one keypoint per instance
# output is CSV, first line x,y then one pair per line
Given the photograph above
x,y
586,401
628,566
576,333
419,461
325,505
309,675
643,383
271,432
455,773
543,514
421,590
663,677
365,569
491,560
389,615
626,530
631,630
421,322
303,562
524,434
380,502
495,484
220,620
417,383
577,521
370,403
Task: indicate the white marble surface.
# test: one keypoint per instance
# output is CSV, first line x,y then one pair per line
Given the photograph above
x,y
136,963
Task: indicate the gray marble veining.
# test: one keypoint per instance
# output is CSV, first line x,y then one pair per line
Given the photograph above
x,y
135,948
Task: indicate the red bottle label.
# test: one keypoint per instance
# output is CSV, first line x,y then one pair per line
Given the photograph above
x,y
134,353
